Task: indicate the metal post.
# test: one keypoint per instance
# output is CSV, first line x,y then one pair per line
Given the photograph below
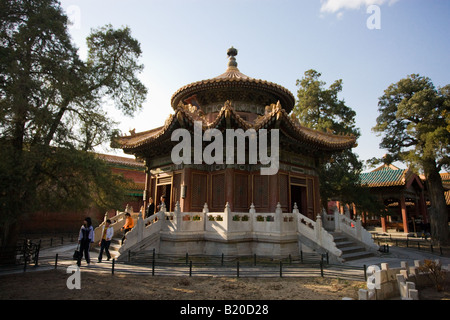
x,y
153,267
281,269
321,268
56,261
237,268
222,259
113,264
365,272
36,258
190,268
25,258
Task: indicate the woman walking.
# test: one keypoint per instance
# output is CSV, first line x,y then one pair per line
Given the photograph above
x,y
85,238
107,234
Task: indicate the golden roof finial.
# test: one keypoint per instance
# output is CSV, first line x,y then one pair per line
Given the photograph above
x,y
232,53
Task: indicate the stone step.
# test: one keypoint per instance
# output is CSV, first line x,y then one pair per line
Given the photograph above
x,y
338,236
350,249
356,256
344,244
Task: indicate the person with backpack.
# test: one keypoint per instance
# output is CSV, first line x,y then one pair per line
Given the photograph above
x,y
85,238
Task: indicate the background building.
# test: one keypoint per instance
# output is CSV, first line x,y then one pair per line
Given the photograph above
x,y
70,222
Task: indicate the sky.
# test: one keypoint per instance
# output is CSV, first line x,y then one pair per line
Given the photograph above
x,y
369,44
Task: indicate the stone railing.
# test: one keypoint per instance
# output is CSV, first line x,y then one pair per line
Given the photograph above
x,y
228,225
314,231
328,220
354,229
225,224
117,222
143,231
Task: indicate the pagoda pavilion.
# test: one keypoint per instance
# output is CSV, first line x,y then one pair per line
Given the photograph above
x,y
234,100
236,205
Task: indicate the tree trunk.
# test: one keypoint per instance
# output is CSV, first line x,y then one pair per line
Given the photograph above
x,y
438,211
10,237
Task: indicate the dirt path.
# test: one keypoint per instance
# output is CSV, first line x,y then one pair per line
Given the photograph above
x,y
51,285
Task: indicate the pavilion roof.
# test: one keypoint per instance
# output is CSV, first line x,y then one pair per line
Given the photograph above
x,y
386,176
275,117
233,79
118,160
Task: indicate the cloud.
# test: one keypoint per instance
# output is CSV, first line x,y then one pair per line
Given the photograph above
x,y
335,6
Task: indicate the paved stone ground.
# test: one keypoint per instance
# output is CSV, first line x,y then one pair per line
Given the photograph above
x,y
47,260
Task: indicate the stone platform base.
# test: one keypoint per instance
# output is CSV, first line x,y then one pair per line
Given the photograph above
x,y
192,245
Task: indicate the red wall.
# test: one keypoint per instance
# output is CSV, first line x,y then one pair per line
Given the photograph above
x,y
70,222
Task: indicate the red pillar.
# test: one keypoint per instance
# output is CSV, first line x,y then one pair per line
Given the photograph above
x,y
404,214
354,213
186,203
274,197
147,187
383,224
229,188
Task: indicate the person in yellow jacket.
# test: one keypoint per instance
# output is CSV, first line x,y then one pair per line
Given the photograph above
x,y
129,224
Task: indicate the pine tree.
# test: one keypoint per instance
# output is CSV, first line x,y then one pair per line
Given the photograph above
x,y
414,125
52,111
320,108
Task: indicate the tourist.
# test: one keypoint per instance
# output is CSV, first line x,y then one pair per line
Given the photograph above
x,y
129,224
150,208
85,238
105,242
163,201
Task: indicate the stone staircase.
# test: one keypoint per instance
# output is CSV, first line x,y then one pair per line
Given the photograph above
x,y
351,250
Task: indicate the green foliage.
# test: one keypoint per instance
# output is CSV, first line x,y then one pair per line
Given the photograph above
x,y
414,125
320,108
52,111
414,120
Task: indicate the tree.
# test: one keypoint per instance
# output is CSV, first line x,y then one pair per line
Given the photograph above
x,y
414,125
321,109
52,111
